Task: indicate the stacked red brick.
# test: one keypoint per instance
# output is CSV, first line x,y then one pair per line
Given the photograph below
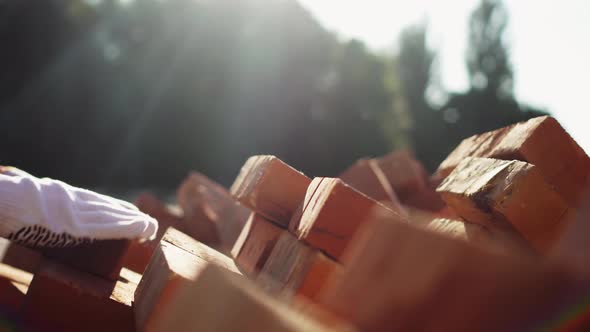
x,y
376,250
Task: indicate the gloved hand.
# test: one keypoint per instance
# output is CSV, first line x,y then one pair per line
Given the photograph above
x,y
50,213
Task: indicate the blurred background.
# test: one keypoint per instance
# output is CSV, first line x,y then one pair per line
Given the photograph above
x,y
126,94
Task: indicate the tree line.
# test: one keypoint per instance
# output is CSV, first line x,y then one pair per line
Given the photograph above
x,y
136,94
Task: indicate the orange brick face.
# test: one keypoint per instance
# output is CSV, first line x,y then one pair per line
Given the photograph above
x,y
540,141
506,194
295,269
331,215
255,243
177,261
409,279
222,301
211,214
63,299
270,187
102,258
366,176
405,174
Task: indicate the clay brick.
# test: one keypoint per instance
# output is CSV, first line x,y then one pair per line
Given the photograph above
x,y
410,181
270,187
207,204
507,194
399,277
426,199
13,288
294,269
64,299
493,239
366,176
166,215
171,267
540,141
138,255
19,256
481,145
139,252
573,247
221,301
332,213
459,229
255,244
102,258
405,174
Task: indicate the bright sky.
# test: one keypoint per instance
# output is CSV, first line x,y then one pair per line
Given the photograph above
x,y
550,45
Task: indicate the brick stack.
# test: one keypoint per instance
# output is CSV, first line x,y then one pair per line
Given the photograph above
x,y
495,240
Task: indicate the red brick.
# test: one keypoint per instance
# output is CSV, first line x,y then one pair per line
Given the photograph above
x,y
169,270
481,145
540,141
366,176
222,301
294,269
210,209
331,214
13,288
405,174
507,194
493,239
19,256
426,199
270,187
102,258
139,252
573,247
166,215
401,278
255,244
410,181
63,299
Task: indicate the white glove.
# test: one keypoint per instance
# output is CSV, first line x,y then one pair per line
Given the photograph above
x,y
50,213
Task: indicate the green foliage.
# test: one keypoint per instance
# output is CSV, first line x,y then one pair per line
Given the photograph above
x,y
488,61
138,94
415,70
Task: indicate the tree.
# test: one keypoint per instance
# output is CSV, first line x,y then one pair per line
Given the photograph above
x,y
137,93
415,61
488,61
487,105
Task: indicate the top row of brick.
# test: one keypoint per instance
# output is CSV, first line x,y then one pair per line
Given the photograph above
x,y
541,141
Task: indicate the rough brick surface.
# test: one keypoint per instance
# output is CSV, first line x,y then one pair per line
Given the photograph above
x,y
255,243
222,301
410,181
409,279
18,256
209,208
63,299
139,253
332,213
500,240
270,187
540,141
506,194
13,288
481,145
102,258
366,176
573,247
172,267
295,269
405,174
